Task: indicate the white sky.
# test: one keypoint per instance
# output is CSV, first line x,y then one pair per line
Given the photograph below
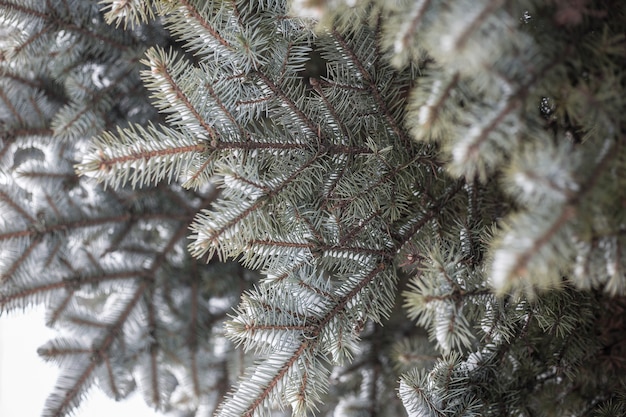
x,y
26,380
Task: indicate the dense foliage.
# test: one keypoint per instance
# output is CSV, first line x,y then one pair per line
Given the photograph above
x,y
347,208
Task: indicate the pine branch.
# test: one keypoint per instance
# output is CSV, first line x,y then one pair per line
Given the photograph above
x,y
490,155
101,261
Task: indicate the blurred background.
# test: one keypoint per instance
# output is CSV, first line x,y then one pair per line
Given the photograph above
x,y
26,380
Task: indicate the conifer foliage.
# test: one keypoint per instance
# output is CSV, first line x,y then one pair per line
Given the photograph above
x,y
397,207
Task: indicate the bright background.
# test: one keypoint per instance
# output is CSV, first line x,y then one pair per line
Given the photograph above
x,y
26,380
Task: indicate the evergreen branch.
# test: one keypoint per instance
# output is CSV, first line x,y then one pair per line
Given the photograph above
x,y
149,161
160,64
287,271
331,109
33,38
519,267
61,306
319,291
108,164
380,181
9,200
282,72
127,11
407,31
457,295
92,34
21,298
66,403
279,93
356,252
431,109
64,127
486,13
113,331
259,401
419,222
263,299
51,351
339,251
306,347
86,322
73,242
11,270
62,227
415,399
482,135
111,378
161,257
372,87
313,229
281,327
55,23
17,115
209,242
209,32
257,146
509,267
7,74
275,243
342,302
265,189
205,24
216,98
23,9
42,175
299,149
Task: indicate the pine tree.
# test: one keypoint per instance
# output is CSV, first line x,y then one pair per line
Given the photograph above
x,y
348,208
